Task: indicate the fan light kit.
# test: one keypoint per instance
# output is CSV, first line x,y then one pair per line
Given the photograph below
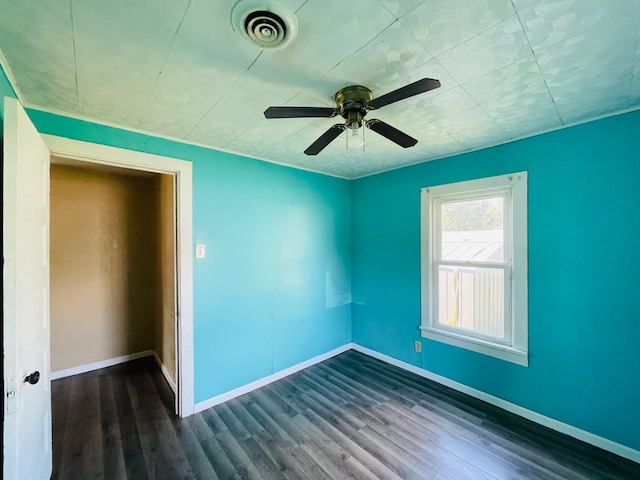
x,y
352,104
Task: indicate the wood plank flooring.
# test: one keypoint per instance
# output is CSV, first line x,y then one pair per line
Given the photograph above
x,y
350,417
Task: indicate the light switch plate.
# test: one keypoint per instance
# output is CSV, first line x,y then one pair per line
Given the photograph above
x,y
200,250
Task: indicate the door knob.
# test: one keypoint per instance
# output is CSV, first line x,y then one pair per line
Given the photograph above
x,y
33,378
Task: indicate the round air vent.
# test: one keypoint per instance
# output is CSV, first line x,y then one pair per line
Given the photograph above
x,y
266,24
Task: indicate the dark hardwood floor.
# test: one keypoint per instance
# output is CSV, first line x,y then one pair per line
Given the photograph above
x,y
350,417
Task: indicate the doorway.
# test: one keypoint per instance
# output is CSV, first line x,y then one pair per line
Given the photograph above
x,y
179,174
112,257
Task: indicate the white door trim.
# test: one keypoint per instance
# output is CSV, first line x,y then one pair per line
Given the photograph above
x,y
182,170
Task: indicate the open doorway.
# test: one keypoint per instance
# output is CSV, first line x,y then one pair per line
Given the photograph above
x,y
175,175
112,244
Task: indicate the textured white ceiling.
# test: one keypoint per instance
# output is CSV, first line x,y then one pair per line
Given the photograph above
x,y
175,68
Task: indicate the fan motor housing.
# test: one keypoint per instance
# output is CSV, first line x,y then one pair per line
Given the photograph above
x,y
353,104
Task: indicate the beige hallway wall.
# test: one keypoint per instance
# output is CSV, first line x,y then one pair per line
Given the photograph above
x,y
104,272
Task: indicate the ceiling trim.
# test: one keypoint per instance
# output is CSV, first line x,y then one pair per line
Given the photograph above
x,y
542,132
174,139
296,167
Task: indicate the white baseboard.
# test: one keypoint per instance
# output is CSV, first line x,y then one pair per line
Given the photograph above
x,y
165,372
267,380
89,367
556,425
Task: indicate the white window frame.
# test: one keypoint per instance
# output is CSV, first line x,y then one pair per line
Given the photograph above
x,y
513,188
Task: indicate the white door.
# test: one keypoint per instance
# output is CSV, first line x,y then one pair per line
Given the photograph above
x,y
27,412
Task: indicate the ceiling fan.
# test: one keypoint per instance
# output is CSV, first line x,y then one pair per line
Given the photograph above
x,y
352,104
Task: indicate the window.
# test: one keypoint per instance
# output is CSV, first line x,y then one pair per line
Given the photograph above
x,y
474,265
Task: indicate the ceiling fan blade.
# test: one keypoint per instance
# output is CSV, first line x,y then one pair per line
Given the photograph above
x,y
325,139
421,86
300,112
391,133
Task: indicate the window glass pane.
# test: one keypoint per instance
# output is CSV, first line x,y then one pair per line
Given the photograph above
x,y
472,230
472,299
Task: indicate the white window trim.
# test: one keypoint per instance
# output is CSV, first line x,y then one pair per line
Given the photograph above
x,y
516,350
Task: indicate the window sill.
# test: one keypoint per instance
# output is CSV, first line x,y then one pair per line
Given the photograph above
x,y
502,352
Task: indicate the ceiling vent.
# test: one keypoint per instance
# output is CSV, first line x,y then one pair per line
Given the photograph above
x,y
266,24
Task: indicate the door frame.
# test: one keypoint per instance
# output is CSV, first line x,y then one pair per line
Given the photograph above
x,y
182,172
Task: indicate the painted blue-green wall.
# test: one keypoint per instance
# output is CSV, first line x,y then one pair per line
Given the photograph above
x,y
6,90
584,265
274,288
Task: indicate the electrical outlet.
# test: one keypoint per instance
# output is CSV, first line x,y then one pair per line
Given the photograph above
x,y
418,346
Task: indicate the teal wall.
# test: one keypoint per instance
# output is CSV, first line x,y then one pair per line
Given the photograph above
x,y
584,265
6,90
274,288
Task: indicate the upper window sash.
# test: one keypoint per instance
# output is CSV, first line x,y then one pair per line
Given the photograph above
x,y
435,214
